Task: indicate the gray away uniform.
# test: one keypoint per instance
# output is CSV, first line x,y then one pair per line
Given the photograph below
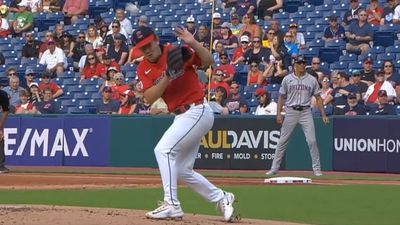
x,y
298,92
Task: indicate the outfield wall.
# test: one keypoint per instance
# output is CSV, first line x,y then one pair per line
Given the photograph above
x,y
235,142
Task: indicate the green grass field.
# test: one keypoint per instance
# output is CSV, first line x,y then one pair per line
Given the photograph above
x,y
313,204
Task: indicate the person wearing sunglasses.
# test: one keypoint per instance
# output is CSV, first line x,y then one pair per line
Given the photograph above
x,y
255,75
258,53
118,50
334,31
352,14
79,49
292,48
46,83
229,69
31,47
43,46
115,29
239,51
120,86
226,37
93,68
359,35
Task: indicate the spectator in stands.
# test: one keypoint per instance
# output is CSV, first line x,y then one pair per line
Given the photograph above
x,y
13,9
100,52
109,63
24,107
203,36
48,105
108,79
58,32
258,54
107,105
36,6
119,50
128,103
244,7
75,9
115,31
67,44
340,93
250,25
326,90
103,30
334,79
217,101
219,49
2,59
53,6
190,25
54,59
267,8
46,83
35,94
93,37
266,106
226,37
352,14
279,51
235,24
13,90
143,107
356,81
29,78
371,96
93,68
239,51
334,31
79,49
217,22
88,50
374,13
316,70
382,106
11,72
229,69
276,27
126,24
367,73
235,104
359,35
120,87
268,38
43,46
142,21
31,47
297,36
292,48
392,76
275,71
352,108
254,76
388,12
218,81
396,14
23,20
4,25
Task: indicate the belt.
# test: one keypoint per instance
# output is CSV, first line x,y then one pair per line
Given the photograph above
x,y
183,108
299,107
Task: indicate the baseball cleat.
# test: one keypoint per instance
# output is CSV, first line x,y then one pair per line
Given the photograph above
x,y
4,169
317,173
271,173
226,206
166,211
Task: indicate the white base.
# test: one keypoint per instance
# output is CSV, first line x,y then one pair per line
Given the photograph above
x,y
288,180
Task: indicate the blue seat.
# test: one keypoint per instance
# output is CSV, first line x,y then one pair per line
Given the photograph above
x,y
298,15
383,38
324,7
92,88
307,8
376,49
339,66
362,57
306,22
316,43
71,81
341,7
390,27
88,82
281,16
291,5
309,36
329,55
393,49
76,88
87,103
386,56
69,102
322,21
81,96
315,14
78,110
309,53
252,102
356,65
96,96
335,44
272,87
315,28
274,95
348,58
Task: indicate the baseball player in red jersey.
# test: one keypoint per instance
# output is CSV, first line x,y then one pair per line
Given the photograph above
x,y
179,87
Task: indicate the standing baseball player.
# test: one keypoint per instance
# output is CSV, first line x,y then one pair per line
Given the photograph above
x,y
168,71
298,88
5,105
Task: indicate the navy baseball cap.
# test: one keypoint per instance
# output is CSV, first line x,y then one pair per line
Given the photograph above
x,y
300,59
143,36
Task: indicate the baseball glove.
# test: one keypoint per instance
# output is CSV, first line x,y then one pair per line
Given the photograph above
x,y
175,63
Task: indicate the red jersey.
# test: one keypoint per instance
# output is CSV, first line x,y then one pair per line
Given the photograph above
x,y
239,51
181,91
117,91
89,71
53,86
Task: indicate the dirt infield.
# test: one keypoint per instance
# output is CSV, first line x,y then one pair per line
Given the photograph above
x,y
69,178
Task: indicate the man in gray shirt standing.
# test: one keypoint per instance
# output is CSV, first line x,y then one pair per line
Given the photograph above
x,y
298,88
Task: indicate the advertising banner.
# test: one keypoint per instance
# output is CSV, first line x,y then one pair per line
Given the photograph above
x,y
248,143
366,145
56,141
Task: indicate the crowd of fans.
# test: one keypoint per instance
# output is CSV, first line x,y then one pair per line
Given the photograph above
x,y
101,50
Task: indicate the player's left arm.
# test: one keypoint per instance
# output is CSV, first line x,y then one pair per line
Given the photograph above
x,y
201,52
320,105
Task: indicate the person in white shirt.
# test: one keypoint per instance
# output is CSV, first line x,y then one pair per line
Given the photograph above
x,y
54,59
126,24
396,15
266,106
